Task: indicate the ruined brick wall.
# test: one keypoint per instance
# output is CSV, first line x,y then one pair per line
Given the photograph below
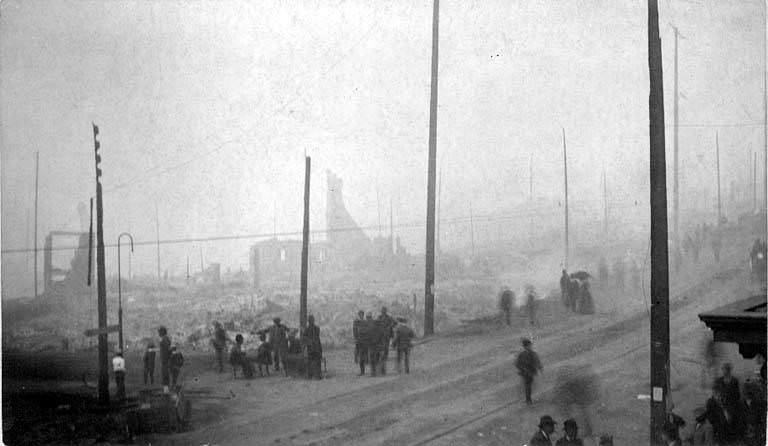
x,y
345,238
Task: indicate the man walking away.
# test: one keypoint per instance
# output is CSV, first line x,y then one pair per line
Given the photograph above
x,y
176,361
219,342
505,303
165,357
118,367
565,288
402,342
278,338
530,304
310,339
149,363
356,335
528,365
387,326
543,437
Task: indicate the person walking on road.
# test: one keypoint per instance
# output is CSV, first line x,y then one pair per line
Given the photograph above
x,y
278,339
402,342
530,304
118,367
356,334
310,339
387,326
219,342
165,357
528,365
176,361
506,300
149,364
543,437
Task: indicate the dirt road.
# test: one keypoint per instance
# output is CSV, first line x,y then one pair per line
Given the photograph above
x,y
464,389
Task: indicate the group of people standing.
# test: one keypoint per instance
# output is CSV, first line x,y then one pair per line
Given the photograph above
x,y
373,338
575,293
507,303
277,344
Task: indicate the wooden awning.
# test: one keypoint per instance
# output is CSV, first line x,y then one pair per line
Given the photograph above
x,y
742,322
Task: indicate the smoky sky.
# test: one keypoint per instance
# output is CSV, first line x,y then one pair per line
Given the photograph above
x,y
206,110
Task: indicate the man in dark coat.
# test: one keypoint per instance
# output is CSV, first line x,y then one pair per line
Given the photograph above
x,y
278,339
310,339
366,332
356,335
176,361
530,304
528,365
165,357
565,289
402,343
219,342
149,364
388,325
543,437
571,437
506,299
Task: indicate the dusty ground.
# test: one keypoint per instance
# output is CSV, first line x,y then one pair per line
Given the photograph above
x,y
463,388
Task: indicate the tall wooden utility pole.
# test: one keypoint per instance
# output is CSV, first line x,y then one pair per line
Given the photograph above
x,y
305,249
101,280
391,229
439,206
765,119
378,209
37,178
754,182
157,230
605,203
429,282
530,196
471,229
717,155
565,179
676,192
659,248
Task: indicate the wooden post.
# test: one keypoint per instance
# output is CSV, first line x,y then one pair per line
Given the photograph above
x,y
101,281
429,295
565,179
659,245
305,249
37,177
676,192
717,155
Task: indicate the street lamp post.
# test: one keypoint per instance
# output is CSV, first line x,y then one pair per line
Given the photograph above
x,y
119,288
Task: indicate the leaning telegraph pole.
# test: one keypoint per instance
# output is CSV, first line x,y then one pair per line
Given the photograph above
x,y
676,192
659,234
565,179
717,155
101,280
429,292
157,233
305,249
37,177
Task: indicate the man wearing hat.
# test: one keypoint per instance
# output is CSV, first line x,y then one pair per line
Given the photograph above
x,y
278,338
543,437
118,367
402,342
528,365
570,438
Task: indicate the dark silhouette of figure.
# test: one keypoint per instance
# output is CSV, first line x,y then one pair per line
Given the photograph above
x,y
528,365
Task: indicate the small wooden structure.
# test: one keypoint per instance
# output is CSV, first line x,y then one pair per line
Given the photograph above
x,y
742,322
